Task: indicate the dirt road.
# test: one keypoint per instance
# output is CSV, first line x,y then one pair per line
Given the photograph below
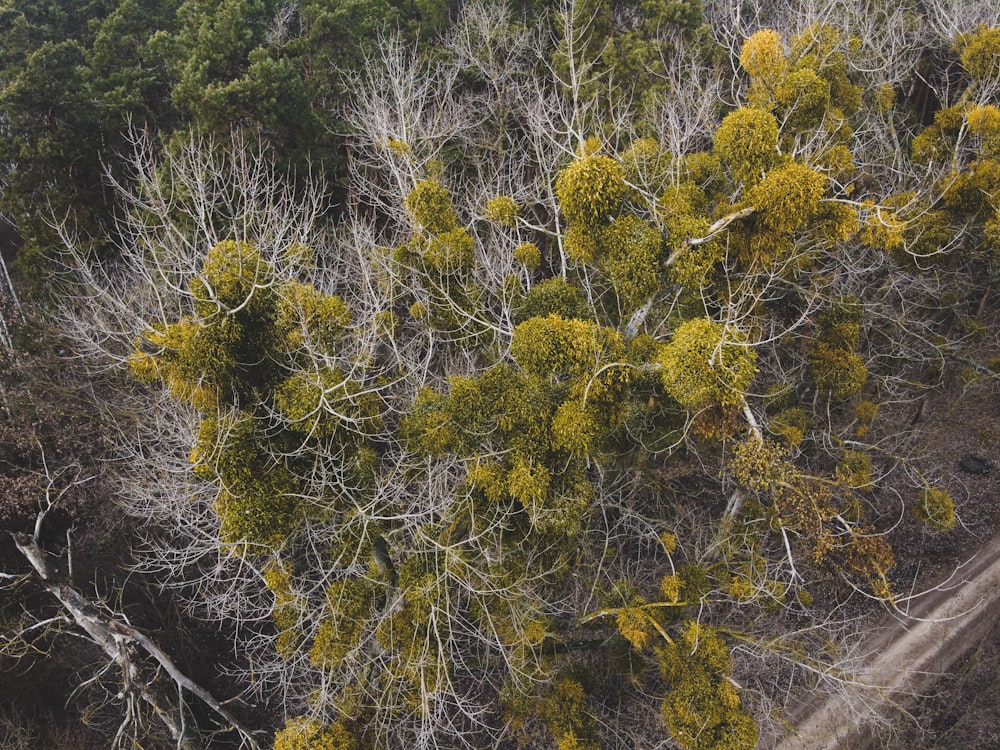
x,y
909,652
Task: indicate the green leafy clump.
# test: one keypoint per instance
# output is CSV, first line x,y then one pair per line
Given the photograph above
x,y
503,210
431,208
702,709
591,189
802,100
835,366
791,424
747,142
707,364
935,508
788,196
566,711
309,320
288,608
326,402
553,347
763,57
980,55
855,469
528,255
349,605
303,733
631,257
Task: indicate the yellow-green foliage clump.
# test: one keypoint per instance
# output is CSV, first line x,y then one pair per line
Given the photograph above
x,y
503,210
981,54
937,141
788,196
763,58
324,402
554,296
528,255
591,189
350,603
822,48
226,353
302,733
576,428
702,709
983,119
287,608
834,363
580,243
631,258
865,411
647,165
791,424
706,364
747,142
553,348
935,508
566,712
258,498
802,100
855,469
430,206
232,275
307,318
974,190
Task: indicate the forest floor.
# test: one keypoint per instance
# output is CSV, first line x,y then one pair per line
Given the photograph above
x,y
908,655
932,664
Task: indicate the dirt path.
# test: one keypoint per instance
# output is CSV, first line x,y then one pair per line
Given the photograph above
x,y
908,653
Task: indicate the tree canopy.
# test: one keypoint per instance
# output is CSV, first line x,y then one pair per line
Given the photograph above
x,y
557,429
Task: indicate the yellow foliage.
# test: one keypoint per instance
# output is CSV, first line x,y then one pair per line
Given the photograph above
x,y
591,189
670,588
503,210
580,244
855,469
634,626
838,372
981,54
802,99
762,56
576,428
983,119
528,483
631,259
705,363
430,206
528,254
747,142
788,196
935,508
